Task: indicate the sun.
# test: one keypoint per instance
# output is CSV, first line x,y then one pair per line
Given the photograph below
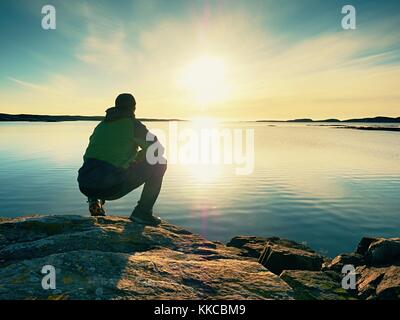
x,y
204,79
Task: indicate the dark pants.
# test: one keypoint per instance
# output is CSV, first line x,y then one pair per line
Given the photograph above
x,y
100,180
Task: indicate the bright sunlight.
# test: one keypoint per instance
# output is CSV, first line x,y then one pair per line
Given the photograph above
x,y
204,79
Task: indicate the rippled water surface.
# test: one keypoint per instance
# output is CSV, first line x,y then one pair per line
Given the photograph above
x,y
324,186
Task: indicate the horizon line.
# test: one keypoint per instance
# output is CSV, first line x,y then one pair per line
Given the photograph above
x,y
96,117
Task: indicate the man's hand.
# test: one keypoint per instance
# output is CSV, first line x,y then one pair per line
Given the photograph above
x,y
141,155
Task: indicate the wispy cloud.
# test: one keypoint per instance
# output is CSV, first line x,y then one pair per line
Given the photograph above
x,y
29,85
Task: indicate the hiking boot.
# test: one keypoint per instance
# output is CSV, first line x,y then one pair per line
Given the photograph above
x,y
96,208
145,218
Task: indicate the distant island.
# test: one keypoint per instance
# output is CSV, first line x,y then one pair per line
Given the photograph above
x,y
344,124
361,120
60,118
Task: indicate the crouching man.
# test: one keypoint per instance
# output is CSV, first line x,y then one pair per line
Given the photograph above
x,y
114,166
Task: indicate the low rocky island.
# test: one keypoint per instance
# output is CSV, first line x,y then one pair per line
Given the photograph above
x,y
113,258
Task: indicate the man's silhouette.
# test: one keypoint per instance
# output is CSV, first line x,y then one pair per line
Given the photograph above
x,y
114,166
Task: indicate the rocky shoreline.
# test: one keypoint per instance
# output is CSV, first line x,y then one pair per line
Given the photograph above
x,y
113,258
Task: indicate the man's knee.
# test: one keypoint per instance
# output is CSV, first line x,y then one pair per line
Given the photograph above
x,y
159,168
162,167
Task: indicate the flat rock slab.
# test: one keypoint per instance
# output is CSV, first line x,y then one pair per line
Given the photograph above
x,y
316,285
113,258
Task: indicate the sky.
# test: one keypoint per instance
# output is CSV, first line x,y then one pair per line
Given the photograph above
x,y
225,59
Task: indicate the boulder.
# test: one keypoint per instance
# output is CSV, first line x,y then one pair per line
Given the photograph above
x,y
280,254
382,283
250,246
364,244
383,252
389,287
113,258
316,285
338,262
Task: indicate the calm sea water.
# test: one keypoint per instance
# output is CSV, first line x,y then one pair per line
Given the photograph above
x,y
324,186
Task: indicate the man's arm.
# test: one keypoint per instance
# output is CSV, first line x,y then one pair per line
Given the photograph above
x,y
144,138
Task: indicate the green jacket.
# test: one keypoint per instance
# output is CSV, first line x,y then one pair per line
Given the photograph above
x,y
116,139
